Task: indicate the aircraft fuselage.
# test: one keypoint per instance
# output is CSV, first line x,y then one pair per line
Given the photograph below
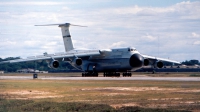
x,y
118,60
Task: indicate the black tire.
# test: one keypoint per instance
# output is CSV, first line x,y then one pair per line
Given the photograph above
x,y
84,74
118,74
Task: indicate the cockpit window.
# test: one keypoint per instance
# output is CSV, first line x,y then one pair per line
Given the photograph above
x,y
131,49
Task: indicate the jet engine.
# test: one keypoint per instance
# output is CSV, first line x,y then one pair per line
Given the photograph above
x,y
158,64
54,64
136,61
146,62
77,62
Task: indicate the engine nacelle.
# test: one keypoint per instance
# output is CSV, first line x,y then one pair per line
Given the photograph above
x,y
146,62
77,62
159,64
54,64
136,61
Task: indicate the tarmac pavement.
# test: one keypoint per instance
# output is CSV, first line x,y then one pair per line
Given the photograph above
x,y
145,78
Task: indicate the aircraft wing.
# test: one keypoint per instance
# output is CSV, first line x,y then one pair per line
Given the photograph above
x,y
58,56
160,59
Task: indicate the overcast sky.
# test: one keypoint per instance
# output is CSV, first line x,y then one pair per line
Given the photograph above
x,y
162,28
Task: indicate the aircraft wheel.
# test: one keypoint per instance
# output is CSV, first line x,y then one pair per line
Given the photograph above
x,y
118,74
83,74
130,74
125,74
96,74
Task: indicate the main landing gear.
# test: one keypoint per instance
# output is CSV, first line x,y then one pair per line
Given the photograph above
x,y
90,74
127,74
111,74
106,74
115,74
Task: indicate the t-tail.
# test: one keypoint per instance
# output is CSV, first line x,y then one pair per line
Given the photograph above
x,y
66,34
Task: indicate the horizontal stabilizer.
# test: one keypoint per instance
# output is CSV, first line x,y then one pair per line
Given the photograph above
x,y
65,24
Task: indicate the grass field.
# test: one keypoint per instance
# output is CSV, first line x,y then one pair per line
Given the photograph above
x,y
77,95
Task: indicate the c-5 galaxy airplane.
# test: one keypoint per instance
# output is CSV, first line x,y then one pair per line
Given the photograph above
x,y
109,61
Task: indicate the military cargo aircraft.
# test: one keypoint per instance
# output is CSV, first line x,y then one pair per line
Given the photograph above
x,y
109,61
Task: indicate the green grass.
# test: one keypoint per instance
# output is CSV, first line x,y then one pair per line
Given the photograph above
x,y
194,75
29,105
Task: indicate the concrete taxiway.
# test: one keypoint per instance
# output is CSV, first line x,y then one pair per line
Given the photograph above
x,y
145,78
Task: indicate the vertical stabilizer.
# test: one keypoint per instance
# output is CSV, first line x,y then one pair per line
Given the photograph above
x,y
66,37
65,33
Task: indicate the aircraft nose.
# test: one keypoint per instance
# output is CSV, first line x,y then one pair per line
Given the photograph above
x,y
136,60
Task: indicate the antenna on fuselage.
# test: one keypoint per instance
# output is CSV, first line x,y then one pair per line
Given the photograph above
x,y
65,33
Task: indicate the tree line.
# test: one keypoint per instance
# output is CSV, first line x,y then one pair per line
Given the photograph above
x,y
43,66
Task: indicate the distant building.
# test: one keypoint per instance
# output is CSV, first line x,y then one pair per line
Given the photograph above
x,y
29,70
44,72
